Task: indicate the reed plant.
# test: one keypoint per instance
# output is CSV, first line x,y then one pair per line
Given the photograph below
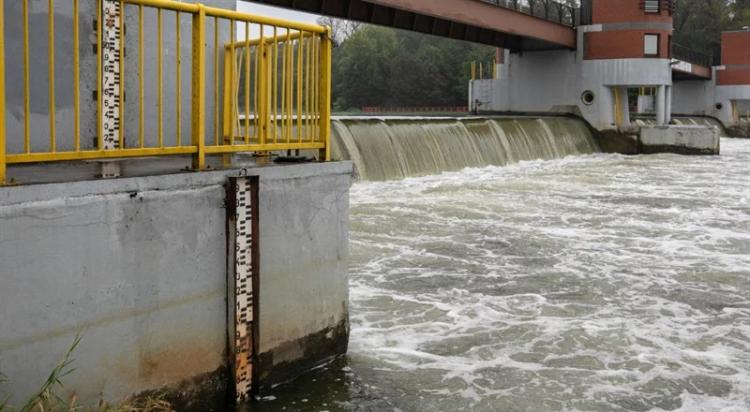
x,y
49,399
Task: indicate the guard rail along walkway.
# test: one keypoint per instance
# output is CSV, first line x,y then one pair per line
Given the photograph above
x,y
265,87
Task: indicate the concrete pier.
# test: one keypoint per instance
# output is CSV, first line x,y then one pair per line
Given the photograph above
x,y
680,139
139,267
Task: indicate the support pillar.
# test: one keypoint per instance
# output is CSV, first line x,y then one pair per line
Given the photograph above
x,y
624,106
668,111
661,105
499,62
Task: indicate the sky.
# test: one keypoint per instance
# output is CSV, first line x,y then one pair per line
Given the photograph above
x,y
254,8
277,12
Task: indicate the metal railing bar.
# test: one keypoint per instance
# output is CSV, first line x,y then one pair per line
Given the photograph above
x,y
76,79
26,82
216,80
141,81
122,75
51,63
178,80
247,83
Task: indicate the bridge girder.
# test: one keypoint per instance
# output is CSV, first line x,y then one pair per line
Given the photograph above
x,y
455,21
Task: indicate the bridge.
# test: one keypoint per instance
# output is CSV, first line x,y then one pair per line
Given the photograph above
x,y
517,25
688,64
510,24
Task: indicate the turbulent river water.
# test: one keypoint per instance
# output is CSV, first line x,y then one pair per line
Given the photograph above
x,y
594,282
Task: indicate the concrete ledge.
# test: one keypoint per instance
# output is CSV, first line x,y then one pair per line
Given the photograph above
x,y
690,140
47,191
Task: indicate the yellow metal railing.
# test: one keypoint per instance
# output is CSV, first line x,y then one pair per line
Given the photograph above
x,y
274,93
479,70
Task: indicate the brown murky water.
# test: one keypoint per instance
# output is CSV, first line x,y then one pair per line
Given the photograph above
x,y
594,282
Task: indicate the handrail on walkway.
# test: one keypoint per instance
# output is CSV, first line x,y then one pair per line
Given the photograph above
x,y
263,87
551,10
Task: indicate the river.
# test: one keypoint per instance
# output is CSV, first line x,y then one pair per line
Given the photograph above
x,y
596,282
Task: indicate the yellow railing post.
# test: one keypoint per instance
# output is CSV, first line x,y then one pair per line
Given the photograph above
x,y
227,94
325,94
198,121
263,85
3,160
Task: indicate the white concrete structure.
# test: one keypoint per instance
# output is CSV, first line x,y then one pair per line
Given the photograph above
x,y
562,81
728,103
680,139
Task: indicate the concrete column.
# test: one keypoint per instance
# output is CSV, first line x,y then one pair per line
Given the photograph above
x,y
661,105
668,111
623,106
499,62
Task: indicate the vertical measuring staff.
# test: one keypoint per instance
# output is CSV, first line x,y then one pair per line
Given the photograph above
x,y
111,72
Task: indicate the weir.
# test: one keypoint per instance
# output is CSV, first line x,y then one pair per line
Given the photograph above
x,y
395,148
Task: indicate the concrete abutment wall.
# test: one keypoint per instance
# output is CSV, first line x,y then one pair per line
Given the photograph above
x,y
138,267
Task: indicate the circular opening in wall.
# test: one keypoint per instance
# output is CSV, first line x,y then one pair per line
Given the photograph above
x,y
587,97
719,106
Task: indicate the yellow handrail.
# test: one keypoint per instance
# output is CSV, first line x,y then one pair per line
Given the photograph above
x,y
282,76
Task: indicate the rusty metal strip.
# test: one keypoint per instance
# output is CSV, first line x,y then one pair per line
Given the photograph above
x,y
243,280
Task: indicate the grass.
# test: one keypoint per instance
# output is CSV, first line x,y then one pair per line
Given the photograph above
x,y
48,398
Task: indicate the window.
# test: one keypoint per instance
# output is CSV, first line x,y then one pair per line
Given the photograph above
x,y
652,6
651,45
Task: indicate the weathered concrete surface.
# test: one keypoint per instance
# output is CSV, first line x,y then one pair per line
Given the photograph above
x,y
138,267
303,296
554,81
680,139
614,141
741,129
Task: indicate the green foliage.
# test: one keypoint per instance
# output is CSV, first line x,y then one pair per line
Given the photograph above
x,y
740,14
699,23
377,66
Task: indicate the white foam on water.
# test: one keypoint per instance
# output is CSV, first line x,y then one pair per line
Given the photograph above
x,y
597,282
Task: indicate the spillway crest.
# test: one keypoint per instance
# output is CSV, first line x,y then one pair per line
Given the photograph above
x,y
395,148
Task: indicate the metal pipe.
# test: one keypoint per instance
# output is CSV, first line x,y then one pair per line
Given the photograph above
x,y
26,87
216,80
247,84
141,82
76,80
198,101
178,80
160,72
51,63
274,84
3,159
122,75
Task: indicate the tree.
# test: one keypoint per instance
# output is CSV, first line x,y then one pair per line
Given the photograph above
x,y
740,14
698,24
377,66
340,29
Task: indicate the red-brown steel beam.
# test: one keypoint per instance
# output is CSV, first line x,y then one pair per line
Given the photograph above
x,y
480,14
467,26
